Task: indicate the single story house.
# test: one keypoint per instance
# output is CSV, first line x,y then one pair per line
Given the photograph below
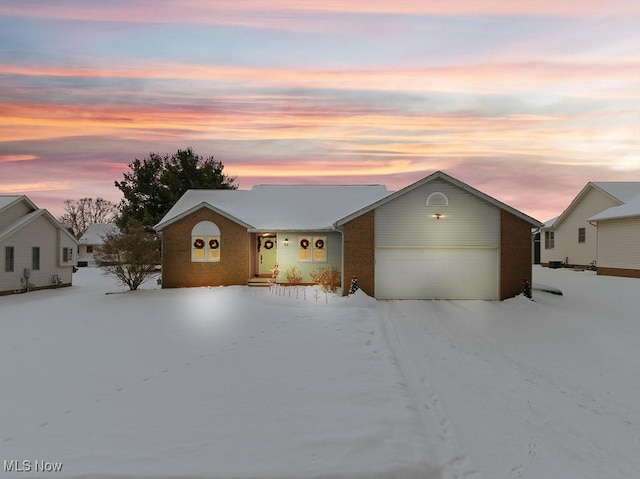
x,y
92,240
438,238
618,244
576,237
37,251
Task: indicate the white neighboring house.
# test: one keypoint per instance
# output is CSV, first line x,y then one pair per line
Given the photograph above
x,y
619,239
37,252
575,239
92,240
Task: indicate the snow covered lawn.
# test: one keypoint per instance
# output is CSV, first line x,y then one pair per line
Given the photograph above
x,y
239,382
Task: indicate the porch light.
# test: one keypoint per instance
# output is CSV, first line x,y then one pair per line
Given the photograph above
x,y
286,241
437,216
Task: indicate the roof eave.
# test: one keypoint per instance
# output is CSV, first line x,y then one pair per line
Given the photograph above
x,y
450,179
163,224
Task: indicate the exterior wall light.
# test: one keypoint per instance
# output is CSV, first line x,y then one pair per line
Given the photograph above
x,y
286,241
437,216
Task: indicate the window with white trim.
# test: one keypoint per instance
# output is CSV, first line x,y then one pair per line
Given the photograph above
x,y
582,235
205,243
9,255
437,199
67,255
312,249
549,240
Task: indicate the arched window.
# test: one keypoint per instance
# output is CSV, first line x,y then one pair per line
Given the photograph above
x,y
205,242
437,199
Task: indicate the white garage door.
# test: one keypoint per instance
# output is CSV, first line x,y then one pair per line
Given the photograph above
x,y
436,273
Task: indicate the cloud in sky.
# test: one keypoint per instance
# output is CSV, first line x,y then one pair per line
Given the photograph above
x,y
525,100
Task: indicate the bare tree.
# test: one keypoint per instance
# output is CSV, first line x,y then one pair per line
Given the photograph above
x,y
130,256
82,213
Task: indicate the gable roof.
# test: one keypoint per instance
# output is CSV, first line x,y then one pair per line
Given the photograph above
x,y
28,218
7,201
627,210
96,232
450,179
619,191
279,207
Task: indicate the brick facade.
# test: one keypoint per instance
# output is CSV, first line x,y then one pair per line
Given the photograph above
x,y
515,254
359,253
622,272
179,271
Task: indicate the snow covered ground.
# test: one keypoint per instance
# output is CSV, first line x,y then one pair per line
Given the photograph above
x,y
239,382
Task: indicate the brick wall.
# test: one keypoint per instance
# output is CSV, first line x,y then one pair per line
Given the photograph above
x,y
179,271
359,253
515,254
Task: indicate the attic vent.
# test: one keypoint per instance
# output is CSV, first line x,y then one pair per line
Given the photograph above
x,y
437,199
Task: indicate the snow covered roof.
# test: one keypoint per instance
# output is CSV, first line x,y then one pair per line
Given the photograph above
x,y
621,190
96,232
279,207
629,209
8,200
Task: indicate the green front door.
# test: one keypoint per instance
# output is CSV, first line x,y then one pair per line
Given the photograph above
x,y
267,254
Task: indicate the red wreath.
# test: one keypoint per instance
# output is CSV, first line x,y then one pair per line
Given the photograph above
x,y
214,244
199,243
319,243
304,243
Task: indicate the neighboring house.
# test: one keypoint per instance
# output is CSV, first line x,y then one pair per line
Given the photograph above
x,y
37,251
435,239
618,245
92,240
573,239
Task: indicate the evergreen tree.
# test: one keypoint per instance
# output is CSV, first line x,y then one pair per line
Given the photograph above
x,y
526,288
154,184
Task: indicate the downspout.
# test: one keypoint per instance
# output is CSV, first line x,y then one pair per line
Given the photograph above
x,y
335,228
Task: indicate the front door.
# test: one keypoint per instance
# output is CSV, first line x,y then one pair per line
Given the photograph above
x,y
267,254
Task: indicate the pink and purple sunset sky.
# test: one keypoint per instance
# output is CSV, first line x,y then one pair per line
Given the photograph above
x,y
526,101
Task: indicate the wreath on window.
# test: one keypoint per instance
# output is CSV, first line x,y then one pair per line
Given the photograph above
x,y
319,243
198,244
214,244
268,244
304,243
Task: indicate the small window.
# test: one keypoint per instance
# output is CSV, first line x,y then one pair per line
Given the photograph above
x,y
437,199
89,248
8,259
582,235
67,255
35,258
549,240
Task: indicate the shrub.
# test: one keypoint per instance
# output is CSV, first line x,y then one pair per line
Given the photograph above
x,y
328,278
130,256
293,275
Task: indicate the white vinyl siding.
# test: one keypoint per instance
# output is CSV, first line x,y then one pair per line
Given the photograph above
x,y
619,243
14,213
567,248
467,220
421,257
42,234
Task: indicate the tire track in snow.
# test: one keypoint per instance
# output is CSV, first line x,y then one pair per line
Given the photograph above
x,y
455,462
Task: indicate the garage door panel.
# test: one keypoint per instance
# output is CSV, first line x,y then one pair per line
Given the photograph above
x,y
421,273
